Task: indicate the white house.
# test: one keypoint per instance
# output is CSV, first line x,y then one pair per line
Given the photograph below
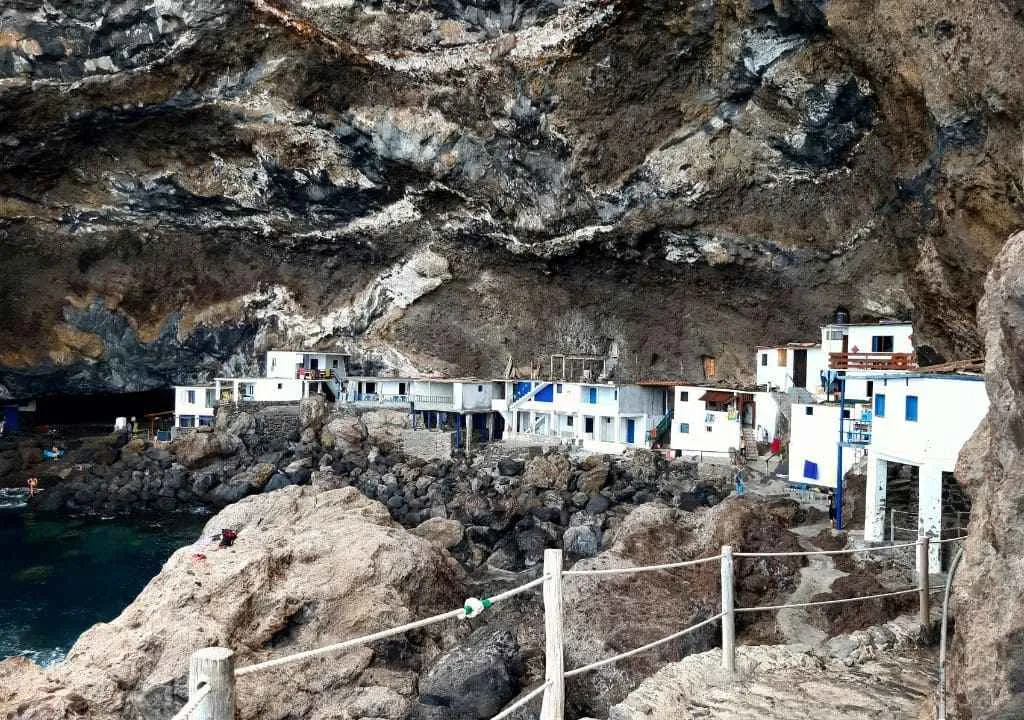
x,y
194,405
921,420
815,438
598,417
784,367
292,364
716,421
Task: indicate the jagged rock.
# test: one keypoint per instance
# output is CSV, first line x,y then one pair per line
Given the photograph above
x,y
312,413
581,541
548,471
276,482
779,682
441,532
593,479
383,427
987,653
195,449
476,679
511,466
275,591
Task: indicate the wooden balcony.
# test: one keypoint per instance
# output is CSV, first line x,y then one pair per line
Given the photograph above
x,y
871,361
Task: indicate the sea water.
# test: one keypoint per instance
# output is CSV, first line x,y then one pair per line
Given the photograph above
x,y
61,575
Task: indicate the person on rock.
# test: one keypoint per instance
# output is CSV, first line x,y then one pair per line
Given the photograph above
x,y
33,484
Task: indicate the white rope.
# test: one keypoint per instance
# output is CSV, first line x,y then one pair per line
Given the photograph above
x,y
521,701
637,651
642,568
826,602
463,612
189,707
824,552
952,539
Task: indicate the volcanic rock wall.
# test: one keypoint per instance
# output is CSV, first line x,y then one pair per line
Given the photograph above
x,y
440,185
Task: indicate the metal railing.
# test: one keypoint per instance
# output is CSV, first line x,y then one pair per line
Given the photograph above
x,y
871,361
212,674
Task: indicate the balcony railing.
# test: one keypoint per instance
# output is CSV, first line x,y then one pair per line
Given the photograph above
x,y
433,399
856,432
871,361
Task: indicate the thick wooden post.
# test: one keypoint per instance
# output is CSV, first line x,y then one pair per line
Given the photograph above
x,y
922,579
728,618
214,667
554,693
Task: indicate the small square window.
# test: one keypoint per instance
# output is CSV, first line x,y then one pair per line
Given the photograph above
x,y
810,470
684,396
191,397
280,386
808,410
708,428
479,388
846,414
558,388
684,427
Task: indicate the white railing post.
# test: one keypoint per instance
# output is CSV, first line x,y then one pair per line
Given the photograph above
x,y
922,580
554,692
892,526
728,615
214,667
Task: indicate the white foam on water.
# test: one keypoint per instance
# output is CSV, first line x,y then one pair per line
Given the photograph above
x,y
13,498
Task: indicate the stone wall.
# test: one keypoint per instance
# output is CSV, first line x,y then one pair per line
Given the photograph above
x,y
427,444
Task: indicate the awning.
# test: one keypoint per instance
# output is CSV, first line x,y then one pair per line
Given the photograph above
x,y
717,396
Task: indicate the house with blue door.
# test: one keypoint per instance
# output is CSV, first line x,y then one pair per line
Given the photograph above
x,y
717,421
601,417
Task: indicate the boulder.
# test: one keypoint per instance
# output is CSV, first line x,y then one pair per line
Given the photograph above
x,y
441,532
511,466
312,413
594,478
552,470
308,568
477,678
581,541
384,427
196,449
243,424
277,482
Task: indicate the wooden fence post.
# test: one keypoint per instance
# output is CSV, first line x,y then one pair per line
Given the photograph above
x,y
554,693
214,667
922,580
728,617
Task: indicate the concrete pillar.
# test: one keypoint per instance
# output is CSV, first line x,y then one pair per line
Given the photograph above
x,y
490,426
234,391
552,427
929,512
874,512
469,433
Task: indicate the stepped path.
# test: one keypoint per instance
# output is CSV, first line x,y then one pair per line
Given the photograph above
x,y
815,578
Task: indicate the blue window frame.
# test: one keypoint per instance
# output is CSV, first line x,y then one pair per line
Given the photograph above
x,y
912,408
879,405
592,392
684,427
810,470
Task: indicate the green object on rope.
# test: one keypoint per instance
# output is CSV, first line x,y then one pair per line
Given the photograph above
x,y
487,602
474,607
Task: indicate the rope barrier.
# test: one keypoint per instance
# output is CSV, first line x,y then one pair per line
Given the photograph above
x,y
824,552
642,568
952,539
825,602
643,648
471,608
189,707
521,701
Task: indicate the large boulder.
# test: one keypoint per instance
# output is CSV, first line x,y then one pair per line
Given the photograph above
x,y
345,434
196,449
477,678
552,470
384,427
313,414
442,532
308,569
987,659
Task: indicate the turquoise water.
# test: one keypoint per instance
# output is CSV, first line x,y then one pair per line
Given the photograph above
x,y
59,576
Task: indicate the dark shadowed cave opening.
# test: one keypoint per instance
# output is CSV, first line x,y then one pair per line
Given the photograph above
x,y
101,407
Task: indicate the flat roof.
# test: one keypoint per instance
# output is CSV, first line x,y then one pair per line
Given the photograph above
x,y
315,352
807,345
880,323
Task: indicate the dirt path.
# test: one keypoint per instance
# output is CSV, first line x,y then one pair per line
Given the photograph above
x,y
816,577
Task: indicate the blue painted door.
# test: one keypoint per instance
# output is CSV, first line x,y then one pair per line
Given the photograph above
x,y
593,396
630,430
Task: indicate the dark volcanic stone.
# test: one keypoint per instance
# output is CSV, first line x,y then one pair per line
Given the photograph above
x,y
477,678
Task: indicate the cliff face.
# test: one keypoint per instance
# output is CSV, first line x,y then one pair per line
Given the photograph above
x,y
185,184
987,661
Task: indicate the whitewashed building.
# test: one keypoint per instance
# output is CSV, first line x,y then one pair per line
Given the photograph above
x,y
921,420
194,405
598,417
815,437
719,421
300,364
793,365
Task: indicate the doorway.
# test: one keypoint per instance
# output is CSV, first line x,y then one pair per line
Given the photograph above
x,y
800,368
630,431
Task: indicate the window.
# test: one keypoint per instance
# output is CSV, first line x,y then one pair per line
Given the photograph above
x,y
709,428
592,394
881,343
835,334
211,398
479,388
371,388
871,388
709,367
782,357
810,470
334,363
273,363
569,421
191,395
684,396
607,420
615,394
187,421
588,424
558,388
205,421
684,427
879,405
911,408
764,359
808,410
280,386
846,414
